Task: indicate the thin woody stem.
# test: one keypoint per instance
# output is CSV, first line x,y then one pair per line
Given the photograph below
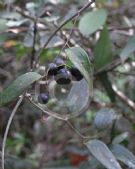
x,y
62,25
8,126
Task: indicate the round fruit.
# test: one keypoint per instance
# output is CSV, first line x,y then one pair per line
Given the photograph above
x,y
52,69
43,98
60,63
76,73
63,76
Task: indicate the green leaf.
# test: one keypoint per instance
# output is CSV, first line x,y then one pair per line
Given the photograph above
x,y
107,85
104,118
101,152
3,25
92,21
81,61
3,38
20,51
18,86
124,155
102,51
121,137
128,49
80,97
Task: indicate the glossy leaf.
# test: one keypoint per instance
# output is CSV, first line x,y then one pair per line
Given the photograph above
x,y
102,51
81,60
124,155
118,139
18,86
128,49
92,21
104,118
101,152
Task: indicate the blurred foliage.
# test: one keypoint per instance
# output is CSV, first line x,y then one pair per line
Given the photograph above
x,y
106,58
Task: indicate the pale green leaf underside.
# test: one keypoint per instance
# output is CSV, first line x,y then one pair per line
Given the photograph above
x,y
104,118
102,153
128,49
124,155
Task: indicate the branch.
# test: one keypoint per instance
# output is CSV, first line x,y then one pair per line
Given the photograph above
x,y
124,73
8,126
62,25
123,97
48,112
109,67
26,15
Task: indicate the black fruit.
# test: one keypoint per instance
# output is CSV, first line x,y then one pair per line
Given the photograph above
x,y
52,69
76,73
63,76
60,63
43,98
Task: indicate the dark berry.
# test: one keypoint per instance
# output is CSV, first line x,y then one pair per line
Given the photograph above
x,y
63,76
43,98
60,63
52,69
76,73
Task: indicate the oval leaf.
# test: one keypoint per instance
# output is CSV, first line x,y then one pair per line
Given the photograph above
x,y
129,49
81,60
118,139
104,118
124,155
103,50
18,86
80,97
101,152
92,21
71,101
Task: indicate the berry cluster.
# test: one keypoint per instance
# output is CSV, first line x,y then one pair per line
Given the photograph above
x,y
62,75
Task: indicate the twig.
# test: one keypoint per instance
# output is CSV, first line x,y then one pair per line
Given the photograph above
x,y
121,28
66,35
129,117
123,97
67,38
26,15
8,126
70,34
109,67
48,112
81,135
75,130
68,20
33,47
124,73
